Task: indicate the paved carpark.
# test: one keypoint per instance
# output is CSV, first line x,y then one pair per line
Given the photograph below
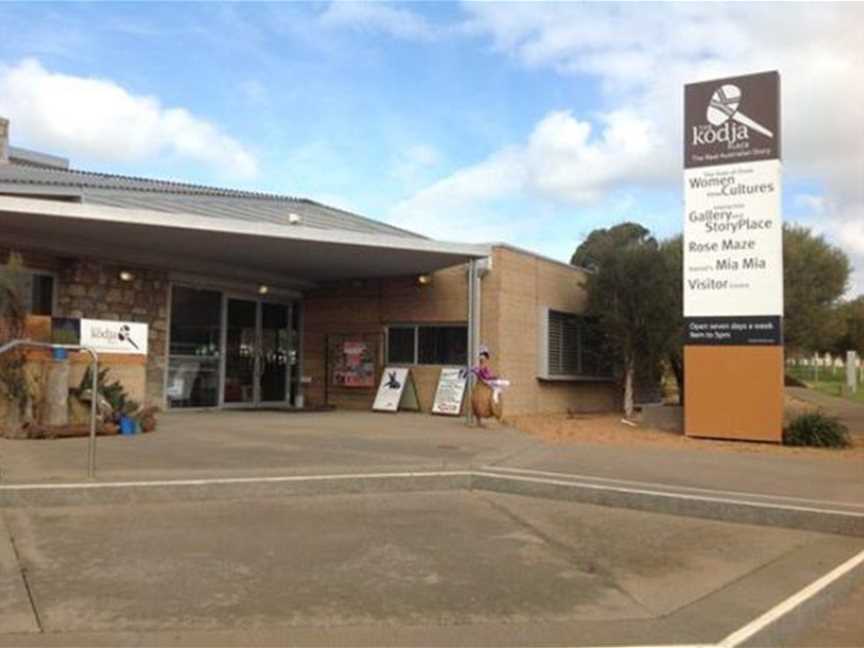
x,y
448,568
244,443
394,563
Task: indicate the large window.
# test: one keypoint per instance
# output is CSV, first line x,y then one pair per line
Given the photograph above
x,y
573,347
193,368
427,344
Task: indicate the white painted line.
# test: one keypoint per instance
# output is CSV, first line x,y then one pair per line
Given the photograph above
x,y
671,495
528,471
743,634
228,480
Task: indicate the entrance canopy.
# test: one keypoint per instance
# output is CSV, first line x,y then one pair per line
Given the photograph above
x,y
285,255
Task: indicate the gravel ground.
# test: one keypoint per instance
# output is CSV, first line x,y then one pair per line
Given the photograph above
x,y
610,430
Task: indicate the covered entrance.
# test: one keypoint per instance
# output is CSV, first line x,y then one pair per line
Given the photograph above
x,y
228,334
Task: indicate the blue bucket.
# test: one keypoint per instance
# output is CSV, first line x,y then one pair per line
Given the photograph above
x,y
59,353
127,426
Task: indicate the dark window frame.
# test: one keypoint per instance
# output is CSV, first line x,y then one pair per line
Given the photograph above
x,y
416,327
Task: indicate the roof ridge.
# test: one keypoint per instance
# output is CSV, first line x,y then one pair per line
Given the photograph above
x,y
179,185
83,180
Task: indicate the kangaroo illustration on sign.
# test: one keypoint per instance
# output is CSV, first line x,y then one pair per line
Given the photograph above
x,y
392,383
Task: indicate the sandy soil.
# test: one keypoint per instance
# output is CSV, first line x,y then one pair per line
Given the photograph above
x,y
607,429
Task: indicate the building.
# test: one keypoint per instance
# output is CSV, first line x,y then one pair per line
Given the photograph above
x,y
261,300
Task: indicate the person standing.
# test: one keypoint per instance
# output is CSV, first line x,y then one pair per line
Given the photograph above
x,y
486,394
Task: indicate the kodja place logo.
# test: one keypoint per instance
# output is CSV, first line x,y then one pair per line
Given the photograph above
x,y
725,122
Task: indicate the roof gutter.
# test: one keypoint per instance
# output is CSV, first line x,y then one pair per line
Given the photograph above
x,y
173,220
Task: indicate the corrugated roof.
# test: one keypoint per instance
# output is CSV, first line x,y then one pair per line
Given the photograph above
x,y
177,197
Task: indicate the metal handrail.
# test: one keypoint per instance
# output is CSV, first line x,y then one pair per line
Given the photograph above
x,y
91,456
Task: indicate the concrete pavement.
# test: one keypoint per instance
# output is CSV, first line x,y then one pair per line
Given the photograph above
x,y
266,444
389,565
408,569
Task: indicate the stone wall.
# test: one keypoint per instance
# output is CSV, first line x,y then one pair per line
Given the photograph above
x,y
94,290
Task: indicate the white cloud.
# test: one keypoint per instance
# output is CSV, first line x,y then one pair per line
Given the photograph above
x,y
378,17
562,161
413,164
98,118
642,54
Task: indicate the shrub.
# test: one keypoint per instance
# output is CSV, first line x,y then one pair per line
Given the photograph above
x,y
818,430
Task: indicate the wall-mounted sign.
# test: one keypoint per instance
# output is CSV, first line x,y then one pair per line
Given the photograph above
x,y
396,391
108,336
450,392
733,230
354,364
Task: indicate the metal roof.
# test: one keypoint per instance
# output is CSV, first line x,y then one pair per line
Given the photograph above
x,y
23,178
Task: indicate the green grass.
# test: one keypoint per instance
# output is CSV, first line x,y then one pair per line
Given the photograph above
x,y
829,381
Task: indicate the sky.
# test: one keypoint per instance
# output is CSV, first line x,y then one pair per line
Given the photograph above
x,y
527,123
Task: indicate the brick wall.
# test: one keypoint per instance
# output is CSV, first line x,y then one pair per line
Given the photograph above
x,y
518,287
366,308
512,294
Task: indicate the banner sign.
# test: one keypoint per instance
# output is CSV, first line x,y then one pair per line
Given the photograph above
x,y
450,392
733,230
108,336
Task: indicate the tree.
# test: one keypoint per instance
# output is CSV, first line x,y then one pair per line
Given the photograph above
x,y
815,276
603,241
630,297
851,316
672,251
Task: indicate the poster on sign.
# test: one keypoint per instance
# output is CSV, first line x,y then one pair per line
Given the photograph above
x,y
355,365
396,391
109,336
450,392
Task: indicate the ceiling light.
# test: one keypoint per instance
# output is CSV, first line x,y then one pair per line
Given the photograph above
x,y
263,289
125,275
424,279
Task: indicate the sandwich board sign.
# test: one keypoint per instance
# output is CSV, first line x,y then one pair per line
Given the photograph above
x,y
450,392
396,391
733,258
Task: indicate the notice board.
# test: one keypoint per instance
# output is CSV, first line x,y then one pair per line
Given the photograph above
x,y
450,392
396,391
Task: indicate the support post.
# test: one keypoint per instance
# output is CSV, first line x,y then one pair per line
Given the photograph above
x,y
470,353
474,313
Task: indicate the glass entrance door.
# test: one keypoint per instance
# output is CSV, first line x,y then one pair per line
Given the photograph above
x,y
241,351
275,357
259,352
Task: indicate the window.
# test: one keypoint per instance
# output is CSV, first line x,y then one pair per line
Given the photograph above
x,y
401,344
427,344
37,292
572,347
193,366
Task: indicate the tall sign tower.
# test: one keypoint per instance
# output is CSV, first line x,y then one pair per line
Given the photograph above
x,y
733,259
